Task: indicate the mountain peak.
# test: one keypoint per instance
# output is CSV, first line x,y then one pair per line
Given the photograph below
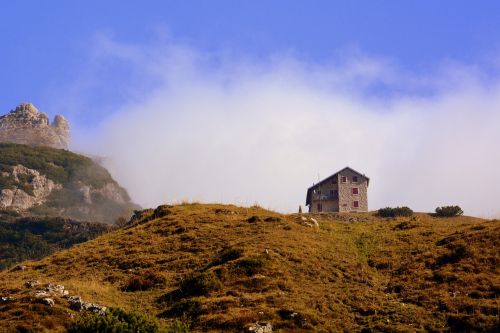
x,y
26,107
27,125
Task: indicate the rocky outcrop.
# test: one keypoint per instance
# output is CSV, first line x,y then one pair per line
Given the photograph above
x,y
109,191
15,198
50,292
43,181
261,328
30,188
26,125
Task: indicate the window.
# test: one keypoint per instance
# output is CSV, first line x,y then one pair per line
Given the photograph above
x,y
355,204
343,179
354,179
355,190
331,193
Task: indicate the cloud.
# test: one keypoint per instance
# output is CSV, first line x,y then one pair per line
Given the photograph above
x,y
227,128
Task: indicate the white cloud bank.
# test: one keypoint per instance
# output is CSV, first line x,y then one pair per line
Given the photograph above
x,y
218,130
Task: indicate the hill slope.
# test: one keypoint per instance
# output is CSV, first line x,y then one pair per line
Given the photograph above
x,y
36,237
43,181
226,267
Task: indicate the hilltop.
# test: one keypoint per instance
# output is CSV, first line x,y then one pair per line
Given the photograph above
x,y
26,125
44,181
224,267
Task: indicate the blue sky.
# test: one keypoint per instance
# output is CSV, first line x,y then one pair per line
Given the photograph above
x,y
46,44
182,98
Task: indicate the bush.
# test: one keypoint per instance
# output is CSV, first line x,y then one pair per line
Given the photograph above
x,y
457,253
253,219
178,326
449,211
201,284
145,281
115,320
393,212
272,219
186,308
162,211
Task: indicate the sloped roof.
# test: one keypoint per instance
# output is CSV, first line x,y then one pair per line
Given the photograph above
x,y
309,190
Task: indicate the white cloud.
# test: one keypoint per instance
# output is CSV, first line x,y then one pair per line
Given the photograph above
x,y
229,129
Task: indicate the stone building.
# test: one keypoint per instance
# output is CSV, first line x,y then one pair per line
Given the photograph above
x,y
344,191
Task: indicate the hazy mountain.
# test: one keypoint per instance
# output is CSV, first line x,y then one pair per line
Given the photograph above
x,y
44,181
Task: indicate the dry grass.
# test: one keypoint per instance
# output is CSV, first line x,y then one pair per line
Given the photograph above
x,y
411,274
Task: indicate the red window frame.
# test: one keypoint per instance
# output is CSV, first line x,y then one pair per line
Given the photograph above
x,y
355,190
355,204
343,179
354,179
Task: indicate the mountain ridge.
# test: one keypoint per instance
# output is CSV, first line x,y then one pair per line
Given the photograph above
x,y
44,181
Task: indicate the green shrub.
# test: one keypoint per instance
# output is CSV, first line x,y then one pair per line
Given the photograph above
x,y
178,326
272,219
185,308
142,216
253,219
200,284
162,211
394,212
226,255
115,320
449,211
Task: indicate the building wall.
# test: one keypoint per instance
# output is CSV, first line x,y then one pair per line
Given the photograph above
x,y
344,202
346,198
328,203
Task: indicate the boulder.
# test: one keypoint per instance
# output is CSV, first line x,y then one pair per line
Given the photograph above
x,y
77,304
19,268
48,301
32,283
41,293
6,299
56,289
261,328
96,308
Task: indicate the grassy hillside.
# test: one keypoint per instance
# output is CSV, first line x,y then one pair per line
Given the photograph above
x,y
59,165
73,172
225,267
